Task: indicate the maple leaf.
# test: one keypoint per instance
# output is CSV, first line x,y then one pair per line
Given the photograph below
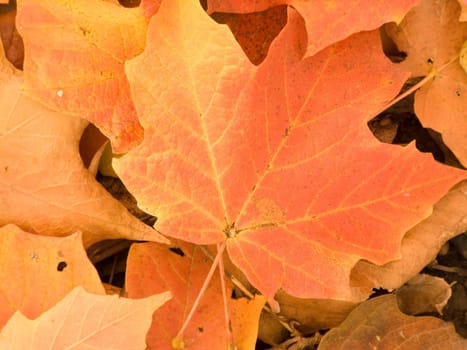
x,y
41,271
432,37
84,321
275,159
44,187
80,71
326,22
382,325
152,268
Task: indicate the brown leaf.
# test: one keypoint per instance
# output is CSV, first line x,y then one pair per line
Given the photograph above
x,y
423,294
432,36
379,324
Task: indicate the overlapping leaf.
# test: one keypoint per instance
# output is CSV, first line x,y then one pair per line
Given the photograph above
x,y
326,21
80,71
277,159
432,37
153,268
36,271
379,324
85,321
44,187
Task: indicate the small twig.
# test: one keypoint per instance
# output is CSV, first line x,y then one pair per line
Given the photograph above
x,y
434,72
458,270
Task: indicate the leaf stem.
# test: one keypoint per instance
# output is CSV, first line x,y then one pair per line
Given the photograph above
x,y
434,72
228,326
215,263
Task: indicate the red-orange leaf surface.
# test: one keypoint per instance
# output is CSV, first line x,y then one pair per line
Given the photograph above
x,y
153,268
44,186
326,21
275,158
36,271
85,321
80,69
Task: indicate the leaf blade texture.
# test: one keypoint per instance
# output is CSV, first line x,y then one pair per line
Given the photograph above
x,y
44,186
379,323
41,271
80,71
85,321
153,268
268,160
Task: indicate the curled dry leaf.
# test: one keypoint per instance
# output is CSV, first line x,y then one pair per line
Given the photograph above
x,y
379,324
85,321
37,271
80,71
276,159
44,186
326,22
432,37
423,294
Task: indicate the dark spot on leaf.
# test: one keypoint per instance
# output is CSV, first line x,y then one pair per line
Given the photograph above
x,y
61,266
429,60
200,329
378,292
129,3
177,251
458,93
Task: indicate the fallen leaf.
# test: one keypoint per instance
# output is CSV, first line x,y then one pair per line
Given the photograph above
x,y
281,165
41,271
449,219
379,324
85,321
44,186
432,37
245,321
326,22
423,294
80,71
152,268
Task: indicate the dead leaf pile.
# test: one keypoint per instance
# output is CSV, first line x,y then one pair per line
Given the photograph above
x,y
242,127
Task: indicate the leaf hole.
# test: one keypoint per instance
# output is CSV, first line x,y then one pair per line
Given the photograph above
x,y
390,48
177,251
129,3
255,31
398,125
61,266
